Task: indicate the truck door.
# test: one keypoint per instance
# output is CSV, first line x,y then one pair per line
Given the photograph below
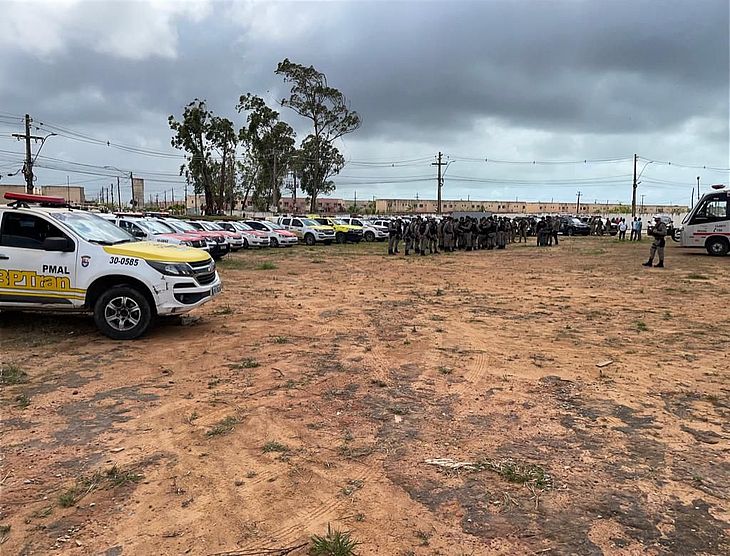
x,y
37,263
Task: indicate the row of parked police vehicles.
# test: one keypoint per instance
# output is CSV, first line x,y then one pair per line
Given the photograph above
x,y
129,269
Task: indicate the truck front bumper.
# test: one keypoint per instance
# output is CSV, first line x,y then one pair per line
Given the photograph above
x,y
175,295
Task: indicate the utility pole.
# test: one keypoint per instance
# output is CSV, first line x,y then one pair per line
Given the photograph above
x,y
28,166
164,193
577,205
119,195
698,188
131,183
642,203
187,180
111,189
439,183
633,196
356,201
68,190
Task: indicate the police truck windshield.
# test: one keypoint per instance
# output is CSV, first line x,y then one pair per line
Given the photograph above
x,y
93,228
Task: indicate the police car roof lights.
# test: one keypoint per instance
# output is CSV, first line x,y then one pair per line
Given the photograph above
x,y
27,198
718,186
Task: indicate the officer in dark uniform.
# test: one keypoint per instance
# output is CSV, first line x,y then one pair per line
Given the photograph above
x,y
657,247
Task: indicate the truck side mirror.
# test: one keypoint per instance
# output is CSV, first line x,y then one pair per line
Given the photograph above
x,y
58,244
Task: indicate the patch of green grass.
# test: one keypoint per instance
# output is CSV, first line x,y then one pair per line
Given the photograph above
x,y
12,374
439,292
44,512
266,265
281,340
378,382
111,478
227,310
353,452
223,427
352,486
695,276
68,498
423,537
520,473
248,363
334,543
274,446
445,370
23,401
118,477
641,326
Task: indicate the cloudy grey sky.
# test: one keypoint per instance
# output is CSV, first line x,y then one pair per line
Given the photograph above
x,y
483,82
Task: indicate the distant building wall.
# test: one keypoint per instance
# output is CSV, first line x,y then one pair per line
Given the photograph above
x,y
72,194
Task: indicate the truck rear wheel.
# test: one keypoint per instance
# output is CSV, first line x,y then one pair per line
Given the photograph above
x,y
309,239
717,246
122,313
340,237
369,236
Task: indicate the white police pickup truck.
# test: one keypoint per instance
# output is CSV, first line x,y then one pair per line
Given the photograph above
x,y
54,258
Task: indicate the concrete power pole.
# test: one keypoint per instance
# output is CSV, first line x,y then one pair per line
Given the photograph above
x,y
577,205
28,166
633,196
119,195
440,183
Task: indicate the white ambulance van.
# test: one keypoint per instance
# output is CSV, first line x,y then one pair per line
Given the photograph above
x,y
708,223
55,258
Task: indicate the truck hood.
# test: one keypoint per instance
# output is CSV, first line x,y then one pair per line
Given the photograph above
x,y
156,251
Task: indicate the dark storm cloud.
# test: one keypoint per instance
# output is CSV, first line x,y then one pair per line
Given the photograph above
x,y
592,77
599,67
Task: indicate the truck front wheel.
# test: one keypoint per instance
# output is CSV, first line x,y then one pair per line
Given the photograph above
x,y
309,239
122,313
717,246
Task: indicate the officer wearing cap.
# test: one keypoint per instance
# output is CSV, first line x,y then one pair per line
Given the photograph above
x,y
657,247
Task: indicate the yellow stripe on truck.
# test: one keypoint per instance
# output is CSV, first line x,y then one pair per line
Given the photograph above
x,y
55,295
156,251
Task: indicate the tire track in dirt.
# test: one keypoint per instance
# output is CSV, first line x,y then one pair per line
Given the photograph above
x,y
301,522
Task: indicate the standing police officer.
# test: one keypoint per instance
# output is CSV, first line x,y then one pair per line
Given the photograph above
x,y
657,247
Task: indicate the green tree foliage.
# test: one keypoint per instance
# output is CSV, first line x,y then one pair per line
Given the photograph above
x,y
269,145
201,134
331,117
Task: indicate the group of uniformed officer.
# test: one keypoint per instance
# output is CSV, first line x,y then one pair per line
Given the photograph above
x,y
449,234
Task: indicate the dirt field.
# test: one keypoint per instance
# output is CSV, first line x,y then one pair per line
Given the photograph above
x,y
312,393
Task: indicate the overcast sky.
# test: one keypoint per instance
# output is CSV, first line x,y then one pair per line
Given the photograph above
x,y
510,80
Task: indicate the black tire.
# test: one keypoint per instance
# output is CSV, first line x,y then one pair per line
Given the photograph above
x,y
273,242
309,239
677,235
340,237
717,246
122,313
570,231
369,236
245,244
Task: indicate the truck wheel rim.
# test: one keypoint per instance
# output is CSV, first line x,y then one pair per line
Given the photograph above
x,y
122,313
717,247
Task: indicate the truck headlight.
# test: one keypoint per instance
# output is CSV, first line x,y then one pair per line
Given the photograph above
x,y
171,269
